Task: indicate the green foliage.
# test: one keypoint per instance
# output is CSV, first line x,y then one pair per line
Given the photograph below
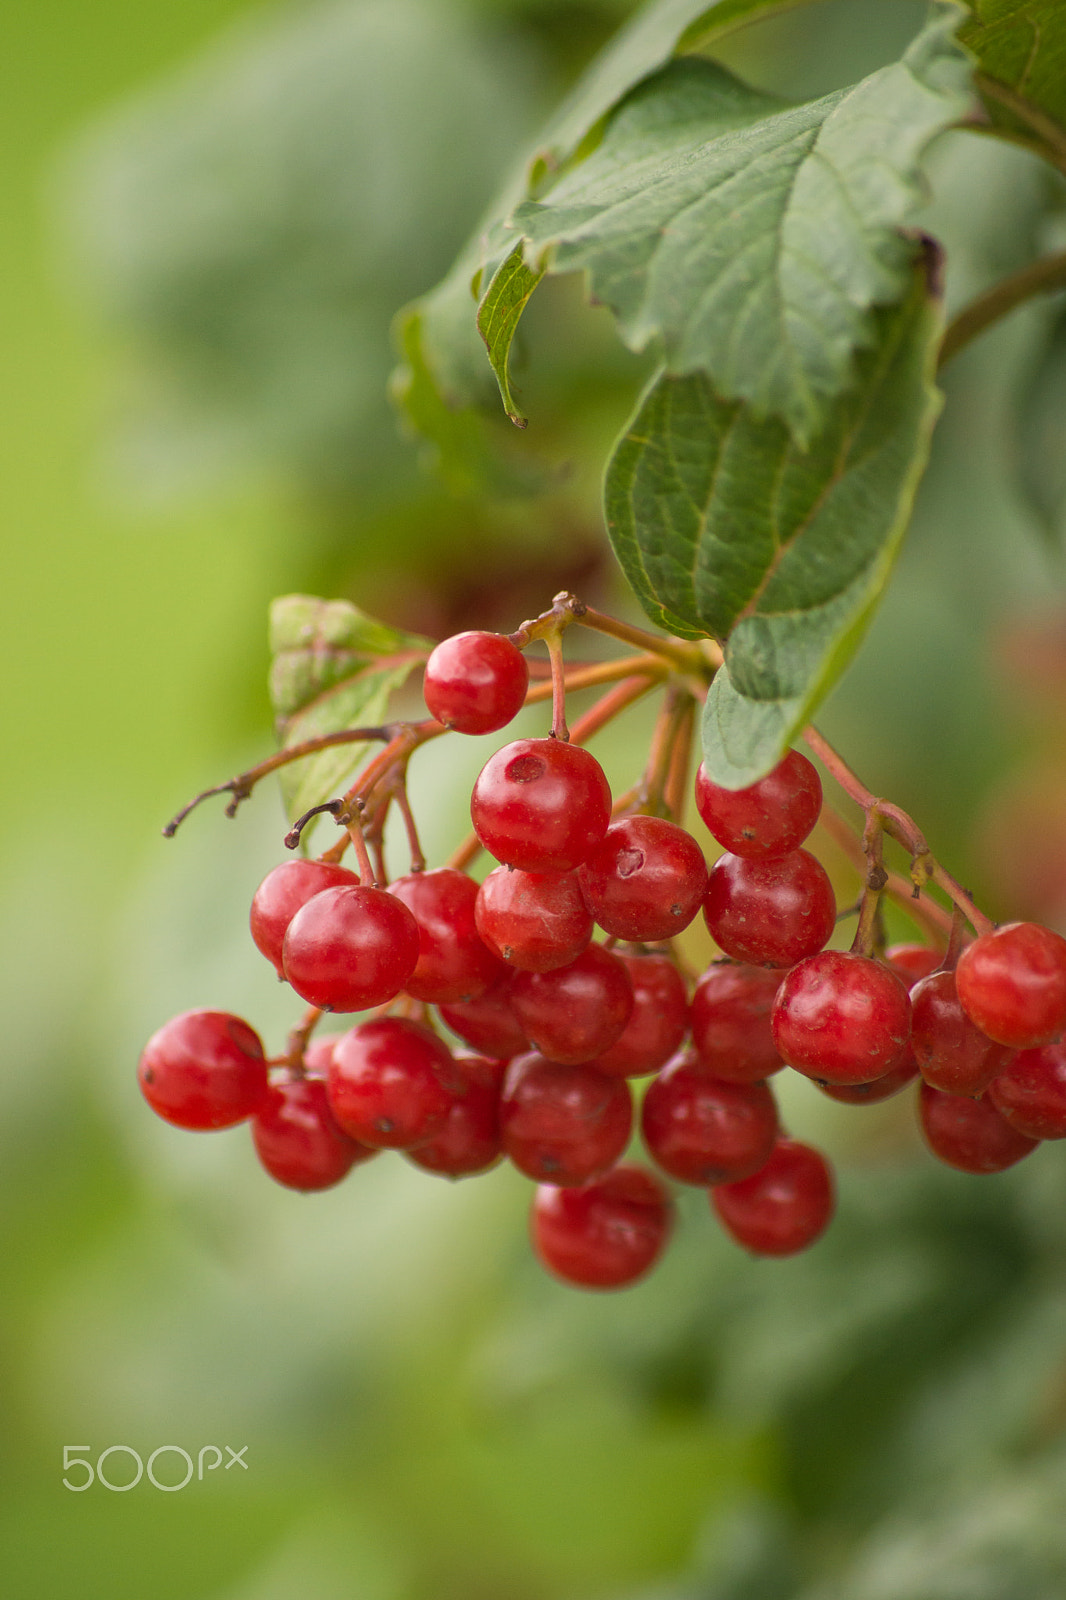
x,y
332,668
1020,47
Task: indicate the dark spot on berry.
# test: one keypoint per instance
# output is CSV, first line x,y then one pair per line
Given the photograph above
x,y
526,769
149,1075
384,1124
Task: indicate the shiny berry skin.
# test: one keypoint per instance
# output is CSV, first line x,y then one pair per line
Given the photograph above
x,y
575,1012
1012,984
350,948
390,1083
951,1052
657,1023
769,818
784,1207
541,804
772,911
475,682
969,1134
913,961
488,1024
282,893
645,880
606,1234
867,1094
453,961
297,1139
841,1018
203,1069
533,920
1031,1092
563,1125
469,1141
731,1021
705,1130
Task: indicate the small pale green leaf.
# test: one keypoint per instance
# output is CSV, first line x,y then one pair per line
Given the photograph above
x,y
1040,432
754,239
725,527
1020,47
498,316
333,668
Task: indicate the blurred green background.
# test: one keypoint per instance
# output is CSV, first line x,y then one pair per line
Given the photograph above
x,y
211,212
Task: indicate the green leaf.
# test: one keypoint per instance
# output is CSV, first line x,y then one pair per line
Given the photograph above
x,y
754,239
725,527
1040,432
333,667
1020,47
498,317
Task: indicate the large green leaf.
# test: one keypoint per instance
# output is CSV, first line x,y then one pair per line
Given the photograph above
x,y
333,667
724,526
1020,47
752,238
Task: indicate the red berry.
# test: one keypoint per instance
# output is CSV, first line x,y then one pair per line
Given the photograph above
x,y
469,1141
883,1088
561,1124
576,1012
913,961
784,1207
769,818
657,1023
1031,1092
606,1234
453,962
705,1130
772,911
297,1139
348,949
951,1052
969,1134
282,893
533,920
204,1069
841,1018
488,1024
1012,984
476,682
391,1083
731,1021
541,805
645,880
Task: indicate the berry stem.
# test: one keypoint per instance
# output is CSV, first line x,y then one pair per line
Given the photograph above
x,y
1038,277
418,860
929,916
554,642
607,708
677,789
674,713
882,814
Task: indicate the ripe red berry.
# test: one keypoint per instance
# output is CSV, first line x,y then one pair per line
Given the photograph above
x,y
771,911
561,1124
705,1130
390,1083
469,1141
913,961
883,1088
731,1021
969,1134
533,920
1031,1092
575,1012
541,804
657,1023
297,1139
203,1069
782,1208
1012,984
453,961
951,1052
645,880
488,1024
475,682
350,948
282,893
606,1234
841,1018
769,818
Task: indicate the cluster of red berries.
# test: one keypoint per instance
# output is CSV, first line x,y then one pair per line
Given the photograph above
x,y
557,1023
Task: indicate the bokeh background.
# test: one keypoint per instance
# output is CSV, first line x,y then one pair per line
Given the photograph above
x,y
212,210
